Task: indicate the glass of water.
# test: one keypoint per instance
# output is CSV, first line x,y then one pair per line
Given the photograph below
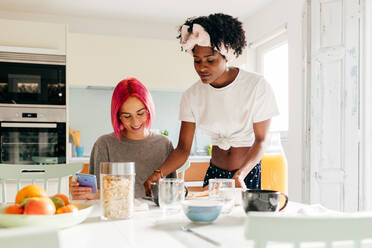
x,y
171,194
224,190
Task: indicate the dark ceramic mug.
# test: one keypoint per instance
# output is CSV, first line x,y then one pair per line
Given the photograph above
x,y
155,192
262,200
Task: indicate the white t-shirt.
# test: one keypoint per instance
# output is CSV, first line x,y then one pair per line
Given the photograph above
x,y
227,114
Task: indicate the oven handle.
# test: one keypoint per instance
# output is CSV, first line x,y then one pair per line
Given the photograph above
x,y
33,171
25,125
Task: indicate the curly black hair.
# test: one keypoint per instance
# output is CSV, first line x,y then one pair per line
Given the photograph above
x,y
222,29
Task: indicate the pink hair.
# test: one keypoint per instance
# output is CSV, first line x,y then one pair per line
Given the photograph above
x,y
123,90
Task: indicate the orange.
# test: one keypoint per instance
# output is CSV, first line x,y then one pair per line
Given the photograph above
x,y
67,209
32,190
63,197
14,209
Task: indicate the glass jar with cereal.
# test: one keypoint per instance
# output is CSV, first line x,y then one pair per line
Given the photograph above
x,y
117,189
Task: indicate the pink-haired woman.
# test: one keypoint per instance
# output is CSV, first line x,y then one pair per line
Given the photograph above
x,y
132,111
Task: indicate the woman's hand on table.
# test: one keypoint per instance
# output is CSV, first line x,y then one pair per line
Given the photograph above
x,y
82,193
239,178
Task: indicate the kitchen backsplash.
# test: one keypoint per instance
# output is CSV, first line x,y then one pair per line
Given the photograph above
x,y
89,112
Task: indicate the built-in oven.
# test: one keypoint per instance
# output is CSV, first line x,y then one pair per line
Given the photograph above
x,y
26,83
30,135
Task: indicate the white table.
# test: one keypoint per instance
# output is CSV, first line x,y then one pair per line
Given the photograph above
x,y
152,229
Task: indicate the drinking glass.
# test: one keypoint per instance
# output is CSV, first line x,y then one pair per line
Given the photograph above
x,y
171,194
224,190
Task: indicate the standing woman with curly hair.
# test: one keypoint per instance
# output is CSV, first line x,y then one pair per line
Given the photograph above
x,y
232,106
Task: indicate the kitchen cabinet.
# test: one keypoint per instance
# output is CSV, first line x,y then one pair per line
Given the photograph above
x,y
103,60
33,35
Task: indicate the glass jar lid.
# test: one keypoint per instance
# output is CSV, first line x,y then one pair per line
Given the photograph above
x,y
118,168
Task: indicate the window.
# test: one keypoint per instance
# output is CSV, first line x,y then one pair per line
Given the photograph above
x,y
272,62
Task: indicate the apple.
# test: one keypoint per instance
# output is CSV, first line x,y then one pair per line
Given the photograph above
x,y
39,206
58,202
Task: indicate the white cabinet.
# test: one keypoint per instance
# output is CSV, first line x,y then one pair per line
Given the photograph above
x,y
25,34
103,60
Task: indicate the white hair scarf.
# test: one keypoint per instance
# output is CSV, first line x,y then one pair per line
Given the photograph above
x,y
200,37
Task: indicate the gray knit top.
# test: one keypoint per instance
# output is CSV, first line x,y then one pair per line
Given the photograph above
x,y
148,154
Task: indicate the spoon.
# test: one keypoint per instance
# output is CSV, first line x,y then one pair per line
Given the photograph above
x,y
200,236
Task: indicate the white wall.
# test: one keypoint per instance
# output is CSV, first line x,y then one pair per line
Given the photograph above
x,y
107,59
259,25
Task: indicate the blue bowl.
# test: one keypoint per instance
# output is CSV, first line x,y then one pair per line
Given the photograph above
x,y
202,210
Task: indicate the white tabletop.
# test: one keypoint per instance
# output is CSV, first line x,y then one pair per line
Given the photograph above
x,y
152,228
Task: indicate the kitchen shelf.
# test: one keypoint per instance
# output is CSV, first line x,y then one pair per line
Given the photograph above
x,y
199,158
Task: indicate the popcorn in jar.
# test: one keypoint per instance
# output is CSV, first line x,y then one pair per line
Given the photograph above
x,y
117,190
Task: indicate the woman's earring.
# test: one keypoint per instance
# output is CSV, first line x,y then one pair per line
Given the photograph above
x,y
121,127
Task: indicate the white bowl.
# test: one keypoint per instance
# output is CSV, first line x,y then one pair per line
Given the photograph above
x,y
202,210
55,221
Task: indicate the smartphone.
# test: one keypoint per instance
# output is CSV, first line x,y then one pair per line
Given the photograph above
x,y
87,180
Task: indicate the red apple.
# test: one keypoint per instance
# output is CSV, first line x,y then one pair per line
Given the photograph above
x,y
40,206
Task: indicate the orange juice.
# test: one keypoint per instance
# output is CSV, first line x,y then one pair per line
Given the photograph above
x,y
274,168
274,173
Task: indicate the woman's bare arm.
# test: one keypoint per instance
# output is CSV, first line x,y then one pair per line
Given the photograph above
x,y
178,157
254,154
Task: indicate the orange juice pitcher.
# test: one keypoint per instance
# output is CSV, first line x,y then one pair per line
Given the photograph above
x,y
274,168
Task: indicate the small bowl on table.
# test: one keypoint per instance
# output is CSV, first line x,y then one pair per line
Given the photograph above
x,y
202,210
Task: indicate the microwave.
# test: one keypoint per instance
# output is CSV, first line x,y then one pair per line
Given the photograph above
x,y
39,84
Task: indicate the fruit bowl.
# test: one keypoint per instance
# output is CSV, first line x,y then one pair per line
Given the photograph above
x,y
55,221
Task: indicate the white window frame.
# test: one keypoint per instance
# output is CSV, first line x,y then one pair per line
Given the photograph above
x,y
276,40
366,108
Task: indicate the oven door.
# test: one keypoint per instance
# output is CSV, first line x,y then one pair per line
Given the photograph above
x,y
32,84
32,143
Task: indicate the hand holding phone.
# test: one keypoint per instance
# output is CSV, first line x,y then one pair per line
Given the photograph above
x,y
87,180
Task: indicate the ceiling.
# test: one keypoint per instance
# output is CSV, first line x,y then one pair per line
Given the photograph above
x,y
166,12
159,11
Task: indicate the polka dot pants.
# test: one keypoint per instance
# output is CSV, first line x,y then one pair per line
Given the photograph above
x,y
252,181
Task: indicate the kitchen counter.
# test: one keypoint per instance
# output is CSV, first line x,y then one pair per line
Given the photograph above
x,y
192,158
84,160
199,158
